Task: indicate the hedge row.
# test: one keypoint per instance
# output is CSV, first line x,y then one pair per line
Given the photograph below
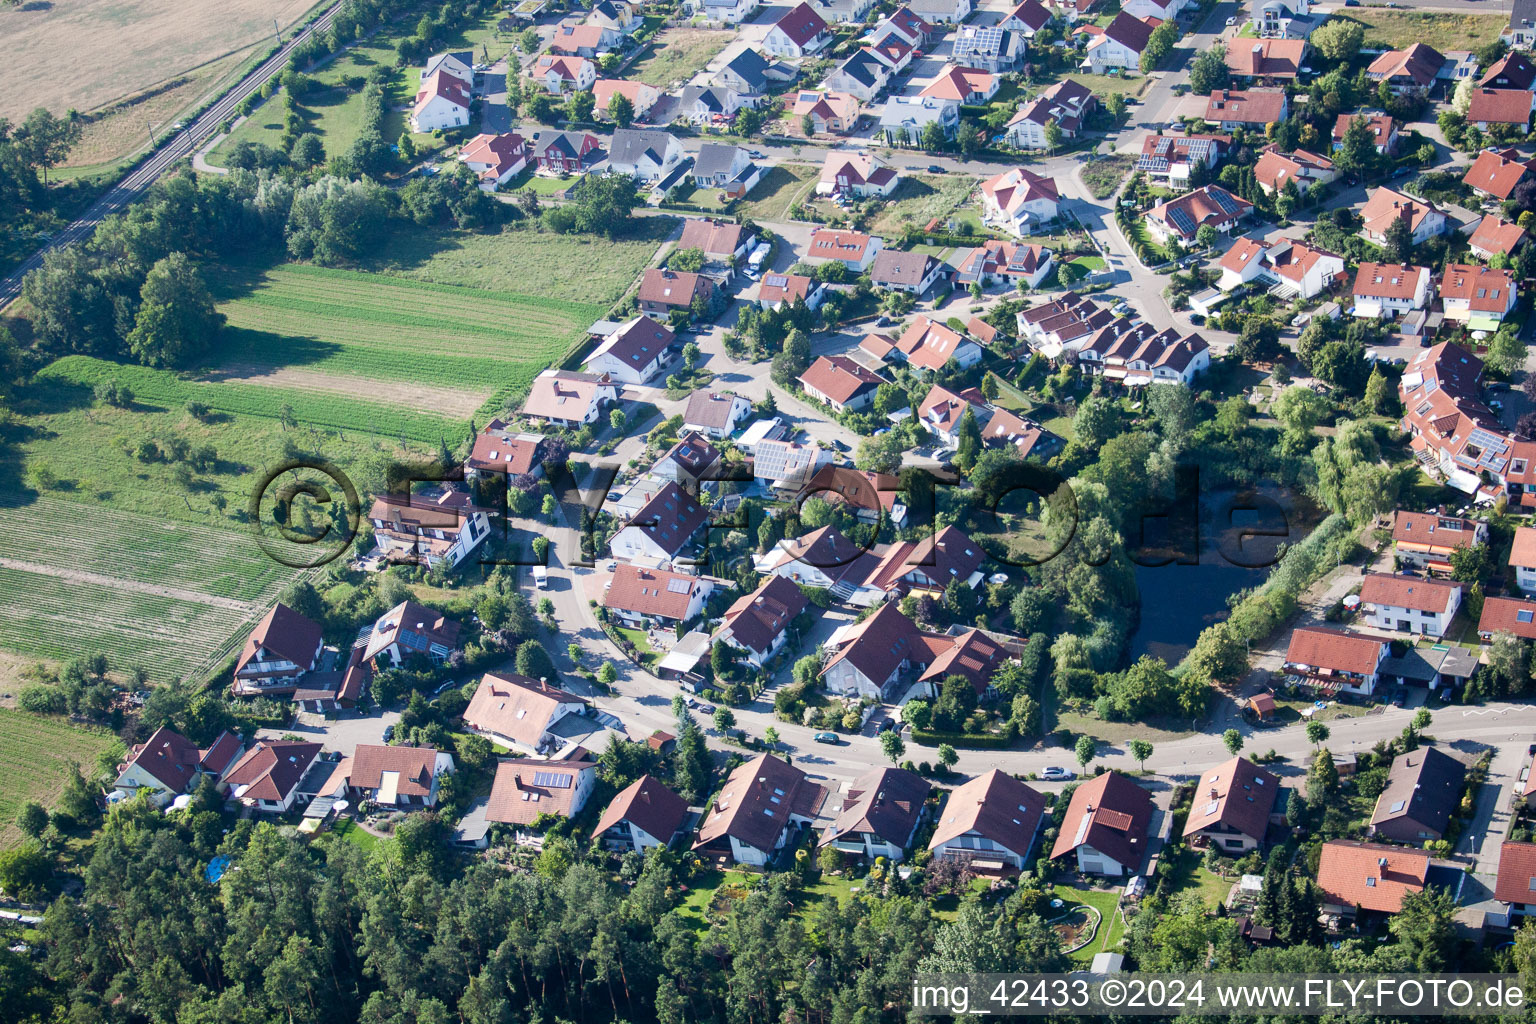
x,y
975,741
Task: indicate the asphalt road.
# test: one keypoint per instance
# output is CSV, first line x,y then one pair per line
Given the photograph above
x,y
181,144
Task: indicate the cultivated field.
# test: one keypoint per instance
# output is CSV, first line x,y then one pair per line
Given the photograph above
x,y
349,326
88,53
35,752
570,268
171,597
919,199
677,54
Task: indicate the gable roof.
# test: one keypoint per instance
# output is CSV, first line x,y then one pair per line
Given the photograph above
x,y
829,244
1130,32
1517,873
1336,649
1370,876
973,656
499,452
670,518
1016,186
894,267
1505,106
877,646
1495,172
1388,280
1484,289
929,344
649,805
715,158
285,633
631,146
956,83
828,550
883,802
751,68
943,408
995,806
1419,62
710,409
524,789
1031,15
1386,205
755,620
1509,615
568,68
1443,531
1494,235
1109,813
1254,106
414,627
673,287
1522,551
637,343
1417,593
1236,793
656,592
840,378
1381,125
1265,58
441,84
754,804
1211,204
783,288
516,706
1514,70
564,394
169,757
415,767
1423,786
271,769
801,24
1275,168
871,492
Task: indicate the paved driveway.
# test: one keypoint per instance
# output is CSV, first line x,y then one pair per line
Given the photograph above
x,y
341,734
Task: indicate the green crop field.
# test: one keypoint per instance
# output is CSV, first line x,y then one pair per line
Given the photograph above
x,y
35,752
573,268
383,328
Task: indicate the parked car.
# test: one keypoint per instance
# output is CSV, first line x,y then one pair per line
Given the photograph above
x,y
1055,774
1231,22
389,733
707,709
936,169
827,737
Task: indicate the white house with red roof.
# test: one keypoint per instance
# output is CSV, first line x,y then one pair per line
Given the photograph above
x,y
518,712
636,353
1409,604
1295,268
963,85
853,249
498,450
645,814
1184,216
1330,660
1501,106
714,413
1232,807
1387,205
1106,826
1453,432
428,528
1068,103
997,260
762,804
757,624
989,824
643,597
799,33
840,382
495,159
564,398
442,102
1390,289
930,345
642,97
1019,201
941,411
859,173
1480,296
1119,45
280,650
168,764
1027,18
392,776
660,530
561,74
1495,236
269,776
1275,169
905,25
830,112
880,814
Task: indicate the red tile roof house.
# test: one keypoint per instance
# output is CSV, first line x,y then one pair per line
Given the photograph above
x,y
826,560
778,290
719,241
873,658
870,496
963,85
498,450
1383,129
1106,826
1495,173
798,33
642,97
841,383
1481,296
757,624
989,824
1006,261
1387,289
561,74
1253,109
564,398
941,411
912,272
1386,205
859,174
643,597
760,809
1423,790
168,764
714,413
495,159
1275,169
880,814
1068,103
787,465
660,530
425,529
281,649
1368,876
1516,884
1501,106
1330,660
637,353
559,152
692,460
1409,604
1119,44
1029,437
662,291
1495,237
1234,804
1019,201
406,631
1522,555
518,712
392,776
268,776
930,345
525,789
1185,216
1171,159
1426,540
1277,59
1513,615
1407,71
853,249
579,40
645,814
442,102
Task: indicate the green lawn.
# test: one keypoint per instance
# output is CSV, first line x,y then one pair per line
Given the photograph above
x,y
1111,925
349,830
922,197
1089,263
780,188
35,754
1189,874
571,268
368,327
1440,30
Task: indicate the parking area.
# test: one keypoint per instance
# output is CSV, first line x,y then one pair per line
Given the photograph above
x,y
342,734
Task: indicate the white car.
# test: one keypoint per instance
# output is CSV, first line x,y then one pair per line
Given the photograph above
x,y
1054,774
1120,308
1231,22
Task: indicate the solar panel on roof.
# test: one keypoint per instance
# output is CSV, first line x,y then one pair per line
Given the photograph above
x,y
551,780
677,586
1182,220
1486,440
1226,202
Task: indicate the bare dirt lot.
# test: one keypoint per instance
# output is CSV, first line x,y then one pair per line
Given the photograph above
x,y
87,53
452,402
